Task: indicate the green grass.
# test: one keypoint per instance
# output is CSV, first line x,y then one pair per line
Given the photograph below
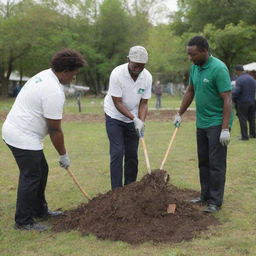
x,y
87,145
92,105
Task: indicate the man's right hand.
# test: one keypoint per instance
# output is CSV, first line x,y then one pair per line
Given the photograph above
x,y
64,161
139,126
177,120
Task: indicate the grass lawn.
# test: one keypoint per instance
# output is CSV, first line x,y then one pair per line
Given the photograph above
x,y
87,145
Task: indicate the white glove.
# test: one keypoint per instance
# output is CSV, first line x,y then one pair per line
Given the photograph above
x,y
177,120
64,161
139,126
224,137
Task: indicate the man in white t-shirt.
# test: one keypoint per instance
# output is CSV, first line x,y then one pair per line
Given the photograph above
x,y
126,107
36,112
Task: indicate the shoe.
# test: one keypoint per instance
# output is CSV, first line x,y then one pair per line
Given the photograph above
x,y
197,200
252,136
48,214
211,208
32,227
54,213
243,138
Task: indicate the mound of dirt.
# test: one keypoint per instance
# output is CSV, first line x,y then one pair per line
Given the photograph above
x,y
137,213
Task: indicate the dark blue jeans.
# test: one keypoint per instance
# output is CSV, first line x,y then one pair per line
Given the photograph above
x,y
124,143
212,158
32,183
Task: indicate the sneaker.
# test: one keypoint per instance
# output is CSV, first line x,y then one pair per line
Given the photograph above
x,y
33,227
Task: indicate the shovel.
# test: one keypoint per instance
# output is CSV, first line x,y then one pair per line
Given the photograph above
x,y
169,147
76,182
146,154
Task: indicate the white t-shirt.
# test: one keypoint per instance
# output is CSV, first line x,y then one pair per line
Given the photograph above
x,y
122,85
41,97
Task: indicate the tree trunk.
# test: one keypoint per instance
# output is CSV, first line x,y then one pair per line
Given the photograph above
x,y
4,87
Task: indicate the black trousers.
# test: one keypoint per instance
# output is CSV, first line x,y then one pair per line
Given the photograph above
x,y
32,183
246,113
212,158
124,143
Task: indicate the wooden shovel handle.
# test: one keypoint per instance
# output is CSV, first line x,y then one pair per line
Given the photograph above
x,y
146,154
76,182
169,147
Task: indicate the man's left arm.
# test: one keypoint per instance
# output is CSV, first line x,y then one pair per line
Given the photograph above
x,y
143,109
57,139
227,105
227,108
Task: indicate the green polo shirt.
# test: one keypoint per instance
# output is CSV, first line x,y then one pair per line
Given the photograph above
x,y
209,81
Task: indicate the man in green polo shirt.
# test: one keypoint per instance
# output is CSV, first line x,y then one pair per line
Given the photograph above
x,y
209,84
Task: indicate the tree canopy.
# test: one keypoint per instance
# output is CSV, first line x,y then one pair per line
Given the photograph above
x,y
103,31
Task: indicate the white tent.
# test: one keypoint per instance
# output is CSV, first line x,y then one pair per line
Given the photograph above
x,y
250,67
15,76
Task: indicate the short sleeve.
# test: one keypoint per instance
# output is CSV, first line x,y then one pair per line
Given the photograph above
x,y
53,106
115,88
223,81
190,81
148,89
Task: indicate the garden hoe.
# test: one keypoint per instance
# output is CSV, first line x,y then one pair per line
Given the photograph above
x,y
76,182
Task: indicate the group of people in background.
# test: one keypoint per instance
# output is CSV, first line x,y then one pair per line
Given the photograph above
x,y
38,110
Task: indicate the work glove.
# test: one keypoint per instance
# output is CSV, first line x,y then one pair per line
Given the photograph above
x,y
139,126
64,161
141,135
224,137
177,120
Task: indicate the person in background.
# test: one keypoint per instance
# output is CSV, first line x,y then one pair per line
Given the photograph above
x,y
244,97
126,107
36,112
158,92
210,86
16,90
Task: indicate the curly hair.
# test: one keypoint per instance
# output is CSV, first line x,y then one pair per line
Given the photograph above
x,y
67,60
200,42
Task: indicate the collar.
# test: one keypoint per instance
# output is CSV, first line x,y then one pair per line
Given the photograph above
x,y
56,78
207,63
127,74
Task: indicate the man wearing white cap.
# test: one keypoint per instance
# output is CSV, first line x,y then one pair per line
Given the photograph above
x,y
126,107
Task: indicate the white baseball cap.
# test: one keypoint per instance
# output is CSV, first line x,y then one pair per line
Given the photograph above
x,y
138,54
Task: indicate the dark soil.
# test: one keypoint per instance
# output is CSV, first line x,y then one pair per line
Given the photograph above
x,y
137,213
153,115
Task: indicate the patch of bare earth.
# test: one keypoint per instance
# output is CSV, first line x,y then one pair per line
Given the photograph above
x,y
137,213
153,115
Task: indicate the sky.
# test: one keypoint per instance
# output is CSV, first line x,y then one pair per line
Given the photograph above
x,y
163,17
172,4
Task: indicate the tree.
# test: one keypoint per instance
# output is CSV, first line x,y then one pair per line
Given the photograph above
x,y
234,44
191,17
32,37
168,60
